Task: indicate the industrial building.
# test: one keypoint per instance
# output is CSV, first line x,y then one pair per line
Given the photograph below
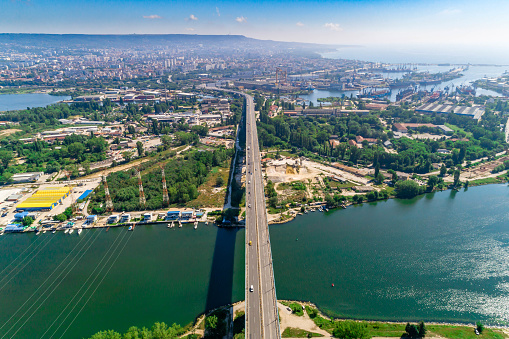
x,y
475,112
25,177
44,199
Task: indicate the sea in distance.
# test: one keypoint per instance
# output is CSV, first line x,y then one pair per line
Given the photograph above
x,y
11,102
438,257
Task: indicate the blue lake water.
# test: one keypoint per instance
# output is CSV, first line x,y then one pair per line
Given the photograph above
x,y
9,102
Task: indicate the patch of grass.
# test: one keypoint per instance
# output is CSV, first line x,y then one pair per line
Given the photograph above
x,y
336,184
324,324
464,332
458,129
485,181
296,309
291,332
377,329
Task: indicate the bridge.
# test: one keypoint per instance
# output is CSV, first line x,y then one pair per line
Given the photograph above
x,y
262,318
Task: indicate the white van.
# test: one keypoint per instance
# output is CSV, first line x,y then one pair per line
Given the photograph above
x,y
251,289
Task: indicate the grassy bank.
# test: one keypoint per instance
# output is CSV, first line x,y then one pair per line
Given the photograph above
x,y
397,329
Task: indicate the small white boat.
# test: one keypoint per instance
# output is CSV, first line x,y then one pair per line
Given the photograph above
x,y
180,224
79,231
195,224
130,228
44,231
66,231
206,222
54,231
169,225
37,232
72,230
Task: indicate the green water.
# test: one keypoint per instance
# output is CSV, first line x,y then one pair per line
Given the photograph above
x,y
162,274
440,257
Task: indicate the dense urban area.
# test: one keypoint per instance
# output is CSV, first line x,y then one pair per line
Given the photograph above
x,y
151,130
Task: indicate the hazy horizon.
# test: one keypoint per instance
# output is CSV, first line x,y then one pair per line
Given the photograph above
x,y
363,22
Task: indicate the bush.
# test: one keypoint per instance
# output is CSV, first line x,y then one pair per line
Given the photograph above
x,y
351,330
407,189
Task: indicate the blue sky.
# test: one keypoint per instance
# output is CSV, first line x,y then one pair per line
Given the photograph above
x,y
337,22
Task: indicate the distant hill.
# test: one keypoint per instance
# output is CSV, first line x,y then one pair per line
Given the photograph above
x,y
152,41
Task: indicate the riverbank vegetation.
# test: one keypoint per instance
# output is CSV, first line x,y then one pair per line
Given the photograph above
x,y
158,330
369,329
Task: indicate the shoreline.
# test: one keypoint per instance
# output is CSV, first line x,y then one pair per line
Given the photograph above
x,y
349,203
437,323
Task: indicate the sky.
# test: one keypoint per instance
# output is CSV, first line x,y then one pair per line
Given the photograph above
x,y
361,22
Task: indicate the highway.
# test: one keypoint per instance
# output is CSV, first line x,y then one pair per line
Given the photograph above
x,y
262,319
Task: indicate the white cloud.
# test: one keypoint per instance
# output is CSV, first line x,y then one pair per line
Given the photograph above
x,y
189,29
241,19
192,17
449,11
217,11
300,24
151,17
333,27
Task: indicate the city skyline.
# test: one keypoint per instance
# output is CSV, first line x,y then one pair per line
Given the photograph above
x,y
366,22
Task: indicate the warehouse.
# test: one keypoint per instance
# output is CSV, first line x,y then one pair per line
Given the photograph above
x,y
44,199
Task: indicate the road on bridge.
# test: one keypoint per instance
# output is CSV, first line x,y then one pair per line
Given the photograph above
x,y
262,319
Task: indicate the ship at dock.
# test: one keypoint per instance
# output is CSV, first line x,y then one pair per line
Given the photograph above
x,y
404,94
466,90
371,93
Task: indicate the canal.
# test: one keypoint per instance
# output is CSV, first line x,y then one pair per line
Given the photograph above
x,y
438,257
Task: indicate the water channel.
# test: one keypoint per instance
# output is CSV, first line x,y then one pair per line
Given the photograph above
x,y
438,257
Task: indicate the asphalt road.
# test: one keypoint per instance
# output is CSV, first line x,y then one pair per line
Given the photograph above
x,y
261,304
262,320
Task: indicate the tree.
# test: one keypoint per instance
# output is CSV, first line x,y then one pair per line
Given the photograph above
x,y
76,150
127,155
377,169
432,182
421,327
379,178
107,335
480,327
273,201
27,221
411,330
219,181
5,157
407,189
456,177
139,147
443,170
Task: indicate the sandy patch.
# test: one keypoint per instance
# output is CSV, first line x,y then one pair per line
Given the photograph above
x,y
10,131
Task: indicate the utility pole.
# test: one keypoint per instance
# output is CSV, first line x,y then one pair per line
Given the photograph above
x,y
166,199
109,203
140,187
